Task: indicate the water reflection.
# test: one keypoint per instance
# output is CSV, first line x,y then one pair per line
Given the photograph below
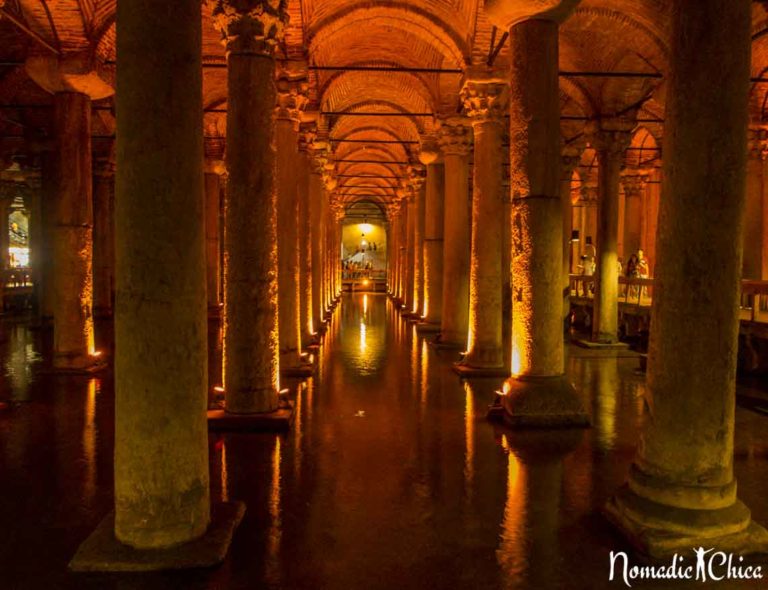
x,y
89,440
364,351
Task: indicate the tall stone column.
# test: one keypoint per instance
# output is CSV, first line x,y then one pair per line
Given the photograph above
x,y
410,251
434,200
316,196
634,183
485,99
162,499
752,265
402,251
569,161
251,31
682,490
215,170
610,139
393,247
416,180
308,131
456,143
537,393
291,101
103,237
73,236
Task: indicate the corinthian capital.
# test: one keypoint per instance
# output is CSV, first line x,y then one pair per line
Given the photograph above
x,y
507,13
758,141
612,136
251,26
485,95
634,181
292,91
455,136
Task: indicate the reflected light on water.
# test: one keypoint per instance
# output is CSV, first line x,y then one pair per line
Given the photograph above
x,y
89,440
224,474
276,525
469,438
511,552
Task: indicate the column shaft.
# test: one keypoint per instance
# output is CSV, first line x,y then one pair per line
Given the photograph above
x,y
306,229
433,244
161,438
316,220
103,238
213,190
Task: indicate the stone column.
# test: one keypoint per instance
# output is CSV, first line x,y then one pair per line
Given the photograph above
x,y
610,139
6,198
251,353
434,199
419,197
103,237
161,440
215,170
485,99
48,217
456,143
569,160
73,236
316,195
410,249
393,247
634,182
537,394
308,131
682,491
752,265
291,100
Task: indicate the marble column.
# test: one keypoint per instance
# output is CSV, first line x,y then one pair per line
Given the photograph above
x,y
308,131
251,353
434,206
682,490
419,197
569,161
610,139
7,193
316,196
73,236
634,183
162,497
752,265
485,100
215,170
291,100
537,393
456,143
410,250
103,237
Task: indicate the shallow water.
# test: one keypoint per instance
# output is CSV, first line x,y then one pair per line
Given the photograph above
x,y
390,478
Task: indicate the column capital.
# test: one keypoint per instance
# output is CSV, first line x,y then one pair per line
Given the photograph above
x,y
103,167
611,135
429,151
507,13
485,94
416,178
570,156
292,91
73,72
634,181
251,27
589,193
307,136
455,136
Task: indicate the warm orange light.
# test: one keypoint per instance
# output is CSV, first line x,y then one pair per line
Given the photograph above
x,y
218,389
366,282
96,353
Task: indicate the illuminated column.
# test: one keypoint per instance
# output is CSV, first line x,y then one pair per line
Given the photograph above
x,y
316,220
251,353
634,182
214,170
162,497
7,191
402,253
103,237
569,160
610,139
34,182
752,265
410,249
393,247
306,231
485,100
682,490
537,393
73,236
416,181
432,266
588,199
456,143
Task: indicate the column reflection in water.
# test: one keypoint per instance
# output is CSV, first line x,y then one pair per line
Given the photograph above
x,y
511,554
276,526
89,441
469,441
365,347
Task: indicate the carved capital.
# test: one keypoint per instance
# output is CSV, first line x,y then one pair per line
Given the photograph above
x,y
757,138
307,136
416,178
251,27
611,136
292,92
429,152
455,136
507,13
589,194
485,95
634,181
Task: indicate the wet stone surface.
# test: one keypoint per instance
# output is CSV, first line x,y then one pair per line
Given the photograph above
x,y
390,478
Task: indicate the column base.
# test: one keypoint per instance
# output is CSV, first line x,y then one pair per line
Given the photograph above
x,y
539,402
278,421
597,345
102,552
441,344
467,371
659,531
76,365
424,327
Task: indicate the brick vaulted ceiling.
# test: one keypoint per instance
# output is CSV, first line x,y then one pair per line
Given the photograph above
x,y
601,36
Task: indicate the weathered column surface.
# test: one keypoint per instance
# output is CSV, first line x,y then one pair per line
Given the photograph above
x,y
103,237
434,198
610,139
410,250
214,170
485,100
161,438
251,353
73,236
306,231
569,160
417,182
316,195
634,182
290,103
456,143
681,491
537,394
